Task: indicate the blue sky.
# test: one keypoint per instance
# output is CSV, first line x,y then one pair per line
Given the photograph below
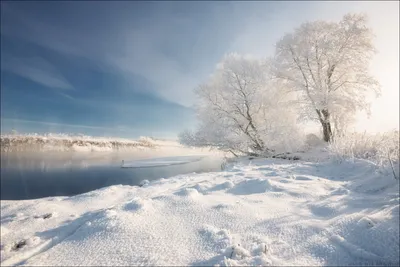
x,y
129,68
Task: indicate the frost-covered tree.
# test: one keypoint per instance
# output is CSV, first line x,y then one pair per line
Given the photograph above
x,y
327,64
238,109
187,138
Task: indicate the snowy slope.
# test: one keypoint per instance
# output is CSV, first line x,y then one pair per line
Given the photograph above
x,y
263,212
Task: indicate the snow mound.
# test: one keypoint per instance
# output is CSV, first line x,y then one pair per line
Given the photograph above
x,y
252,186
187,192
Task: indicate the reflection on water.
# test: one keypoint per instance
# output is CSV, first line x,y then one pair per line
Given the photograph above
x,y
36,175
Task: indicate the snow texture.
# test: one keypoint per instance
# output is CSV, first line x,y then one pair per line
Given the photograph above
x,y
259,212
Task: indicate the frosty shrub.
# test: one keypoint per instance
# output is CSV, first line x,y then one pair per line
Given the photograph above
x,y
146,141
313,140
381,149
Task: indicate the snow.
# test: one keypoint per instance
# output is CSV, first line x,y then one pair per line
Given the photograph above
x,y
256,212
156,162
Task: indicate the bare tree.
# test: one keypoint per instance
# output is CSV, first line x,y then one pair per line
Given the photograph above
x,y
327,64
237,106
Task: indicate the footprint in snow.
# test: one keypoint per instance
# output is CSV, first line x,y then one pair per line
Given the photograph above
x,y
217,239
134,205
231,253
322,210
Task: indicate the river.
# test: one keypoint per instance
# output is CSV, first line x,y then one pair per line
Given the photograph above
x,y
44,174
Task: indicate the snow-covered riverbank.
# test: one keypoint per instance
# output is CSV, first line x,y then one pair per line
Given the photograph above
x,y
257,212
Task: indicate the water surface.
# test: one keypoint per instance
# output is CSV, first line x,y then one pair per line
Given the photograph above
x,y
44,174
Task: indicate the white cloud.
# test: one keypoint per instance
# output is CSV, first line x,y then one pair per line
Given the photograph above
x,y
129,49
56,124
36,69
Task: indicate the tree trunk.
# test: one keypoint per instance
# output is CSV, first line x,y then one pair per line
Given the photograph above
x,y
327,131
324,118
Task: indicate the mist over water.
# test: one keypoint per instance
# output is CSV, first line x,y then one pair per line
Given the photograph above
x,y
28,175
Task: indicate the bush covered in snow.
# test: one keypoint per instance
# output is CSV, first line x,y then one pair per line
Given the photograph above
x,y
313,140
382,149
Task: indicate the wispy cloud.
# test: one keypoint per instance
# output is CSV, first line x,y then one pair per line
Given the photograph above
x,y
57,124
130,45
35,69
